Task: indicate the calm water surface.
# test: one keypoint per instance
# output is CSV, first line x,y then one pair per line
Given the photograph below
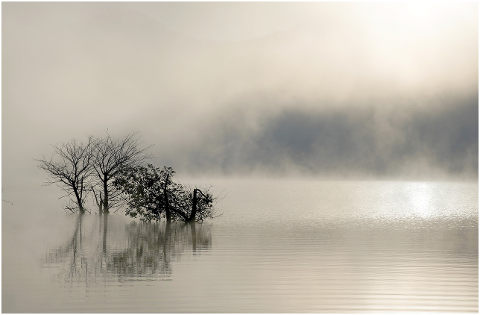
x,y
279,246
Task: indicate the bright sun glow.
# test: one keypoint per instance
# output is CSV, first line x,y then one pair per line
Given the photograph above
x,y
420,200
413,19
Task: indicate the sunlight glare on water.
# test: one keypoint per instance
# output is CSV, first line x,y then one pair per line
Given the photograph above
x,y
421,200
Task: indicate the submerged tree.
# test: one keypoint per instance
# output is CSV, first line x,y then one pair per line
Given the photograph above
x,y
112,170
151,194
80,168
110,155
70,167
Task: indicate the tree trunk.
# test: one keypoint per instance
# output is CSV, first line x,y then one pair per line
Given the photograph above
x,y
99,201
105,193
168,214
194,206
79,200
100,204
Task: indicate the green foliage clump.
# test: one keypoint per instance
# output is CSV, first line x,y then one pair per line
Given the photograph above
x,y
151,194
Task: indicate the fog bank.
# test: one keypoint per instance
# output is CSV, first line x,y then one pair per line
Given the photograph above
x,y
313,89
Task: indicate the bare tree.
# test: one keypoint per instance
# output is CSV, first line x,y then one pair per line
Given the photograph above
x,y
110,155
70,167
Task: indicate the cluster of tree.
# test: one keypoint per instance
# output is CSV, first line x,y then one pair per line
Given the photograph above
x,y
151,194
112,170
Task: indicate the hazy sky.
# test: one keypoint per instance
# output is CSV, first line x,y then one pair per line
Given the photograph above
x,y
324,89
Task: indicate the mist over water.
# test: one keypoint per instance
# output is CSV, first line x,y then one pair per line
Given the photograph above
x,y
369,141
334,89
342,139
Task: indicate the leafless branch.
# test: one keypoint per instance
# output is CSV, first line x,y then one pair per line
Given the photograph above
x,y
69,168
111,155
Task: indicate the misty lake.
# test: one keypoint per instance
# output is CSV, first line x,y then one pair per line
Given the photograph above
x,y
279,246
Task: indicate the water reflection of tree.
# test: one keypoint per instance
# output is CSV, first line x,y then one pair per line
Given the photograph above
x,y
152,246
138,249
69,253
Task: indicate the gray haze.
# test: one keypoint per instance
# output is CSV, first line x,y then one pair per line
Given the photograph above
x,y
364,90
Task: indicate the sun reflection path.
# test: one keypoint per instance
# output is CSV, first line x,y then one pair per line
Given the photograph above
x,y
420,200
